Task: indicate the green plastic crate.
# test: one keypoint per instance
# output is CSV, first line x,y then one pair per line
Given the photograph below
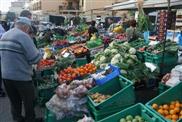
x,y
169,58
44,93
50,117
162,87
138,109
140,56
81,61
172,94
101,114
43,73
120,89
170,61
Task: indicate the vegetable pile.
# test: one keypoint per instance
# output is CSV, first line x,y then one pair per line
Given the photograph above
x,y
171,111
131,118
123,56
94,43
60,43
45,63
169,47
121,37
69,74
137,43
98,98
78,50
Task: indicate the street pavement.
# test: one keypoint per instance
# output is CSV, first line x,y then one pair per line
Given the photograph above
x,y
5,114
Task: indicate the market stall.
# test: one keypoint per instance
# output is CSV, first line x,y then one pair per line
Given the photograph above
x,y
107,77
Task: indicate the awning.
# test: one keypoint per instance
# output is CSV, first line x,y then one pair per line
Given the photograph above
x,y
132,4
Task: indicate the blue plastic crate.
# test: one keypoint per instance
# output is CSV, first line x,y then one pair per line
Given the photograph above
x,y
115,73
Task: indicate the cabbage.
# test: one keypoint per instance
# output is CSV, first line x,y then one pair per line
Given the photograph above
x,y
132,51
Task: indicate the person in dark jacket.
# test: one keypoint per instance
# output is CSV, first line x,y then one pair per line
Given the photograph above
x,y
92,29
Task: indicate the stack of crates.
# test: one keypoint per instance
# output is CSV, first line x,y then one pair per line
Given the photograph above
x,y
172,94
136,110
170,60
45,85
45,90
122,96
50,117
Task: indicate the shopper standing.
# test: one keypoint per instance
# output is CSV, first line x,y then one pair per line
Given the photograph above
x,y
18,53
33,32
92,29
131,32
111,25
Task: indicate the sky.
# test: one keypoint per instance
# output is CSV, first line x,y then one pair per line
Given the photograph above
x,y
5,4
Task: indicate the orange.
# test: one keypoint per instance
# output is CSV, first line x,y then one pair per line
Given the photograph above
x,y
155,106
174,117
166,107
161,111
177,105
166,112
181,112
177,110
180,117
171,106
172,112
160,107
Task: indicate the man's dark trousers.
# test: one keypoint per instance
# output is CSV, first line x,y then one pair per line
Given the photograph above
x,y
21,92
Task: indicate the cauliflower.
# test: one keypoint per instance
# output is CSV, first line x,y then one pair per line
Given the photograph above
x,y
121,60
114,61
132,51
114,51
102,59
111,44
97,63
117,56
126,44
107,51
134,57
